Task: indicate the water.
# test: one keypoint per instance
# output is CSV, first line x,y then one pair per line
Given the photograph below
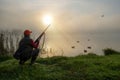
x,y
96,41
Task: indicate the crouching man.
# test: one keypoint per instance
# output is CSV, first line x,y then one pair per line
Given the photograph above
x,y
27,49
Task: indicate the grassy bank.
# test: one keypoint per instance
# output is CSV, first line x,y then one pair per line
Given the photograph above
x,y
87,67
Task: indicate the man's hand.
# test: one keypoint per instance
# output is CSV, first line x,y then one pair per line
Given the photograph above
x,y
36,41
39,37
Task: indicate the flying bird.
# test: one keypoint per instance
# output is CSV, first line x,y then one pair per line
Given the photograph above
x,y
85,51
102,16
78,41
89,47
73,47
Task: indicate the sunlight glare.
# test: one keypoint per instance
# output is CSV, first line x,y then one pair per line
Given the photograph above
x,y
47,19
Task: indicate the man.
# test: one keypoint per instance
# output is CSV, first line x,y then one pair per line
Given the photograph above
x,y
27,49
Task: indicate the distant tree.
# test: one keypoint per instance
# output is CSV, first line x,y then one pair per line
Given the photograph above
x,y
2,49
12,46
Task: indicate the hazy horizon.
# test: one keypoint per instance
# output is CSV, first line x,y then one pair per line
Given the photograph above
x,y
73,20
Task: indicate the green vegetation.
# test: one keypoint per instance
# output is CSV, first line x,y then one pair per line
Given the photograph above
x,y
86,67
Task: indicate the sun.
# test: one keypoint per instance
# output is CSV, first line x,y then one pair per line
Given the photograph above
x,y
47,19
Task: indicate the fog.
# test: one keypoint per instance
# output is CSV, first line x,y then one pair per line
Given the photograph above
x,y
73,20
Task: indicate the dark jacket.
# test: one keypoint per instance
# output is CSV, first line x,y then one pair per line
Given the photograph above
x,y
25,49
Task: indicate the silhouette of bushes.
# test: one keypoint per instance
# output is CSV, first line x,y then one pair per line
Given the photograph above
x,y
110,51
92,54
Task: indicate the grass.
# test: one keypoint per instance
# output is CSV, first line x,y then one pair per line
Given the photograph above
x,y
86,67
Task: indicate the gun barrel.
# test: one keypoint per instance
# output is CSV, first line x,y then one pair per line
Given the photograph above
x,y
46,29
41,34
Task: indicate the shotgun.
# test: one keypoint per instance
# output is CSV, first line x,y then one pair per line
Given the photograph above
x,y
38,39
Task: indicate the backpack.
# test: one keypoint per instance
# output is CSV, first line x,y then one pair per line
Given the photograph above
x,y
18,53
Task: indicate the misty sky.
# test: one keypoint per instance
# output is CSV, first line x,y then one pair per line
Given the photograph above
x,y
75,18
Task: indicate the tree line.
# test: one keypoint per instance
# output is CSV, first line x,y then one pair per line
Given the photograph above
x,y
9,41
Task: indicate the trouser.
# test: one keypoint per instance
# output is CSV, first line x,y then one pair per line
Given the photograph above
x,y
33,57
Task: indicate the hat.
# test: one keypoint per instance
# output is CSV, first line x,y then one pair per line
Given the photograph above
x,y
27,32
